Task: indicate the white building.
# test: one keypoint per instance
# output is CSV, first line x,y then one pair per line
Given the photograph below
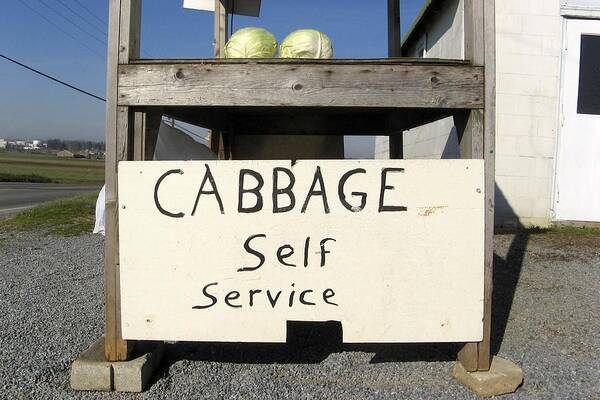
x,y
548,105
3,143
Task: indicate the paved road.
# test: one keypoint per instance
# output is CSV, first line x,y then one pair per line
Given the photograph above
x,y
15,197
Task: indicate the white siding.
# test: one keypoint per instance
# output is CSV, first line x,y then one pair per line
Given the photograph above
x,y
528,40
529,37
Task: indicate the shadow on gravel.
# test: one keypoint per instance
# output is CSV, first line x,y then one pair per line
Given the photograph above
x,y
506,273
506,277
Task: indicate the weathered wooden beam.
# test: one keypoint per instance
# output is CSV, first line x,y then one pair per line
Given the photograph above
x,y
123,45
312,85
489,148
215,138
221,27
146,127
480,48
469,128
394,34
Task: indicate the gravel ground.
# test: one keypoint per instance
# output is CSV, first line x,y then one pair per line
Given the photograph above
x,y
546,319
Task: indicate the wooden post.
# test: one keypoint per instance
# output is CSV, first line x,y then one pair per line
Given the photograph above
x,y
123,45
396,139
145,135
215,138
478,139
394,39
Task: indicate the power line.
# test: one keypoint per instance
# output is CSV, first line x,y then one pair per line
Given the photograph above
x,y
51,78
103,22
99,40
61,29
85,19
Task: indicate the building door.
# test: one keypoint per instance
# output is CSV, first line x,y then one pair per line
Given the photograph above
x,y
577,196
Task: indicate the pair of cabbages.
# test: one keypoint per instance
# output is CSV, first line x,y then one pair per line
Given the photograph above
x,y
260,43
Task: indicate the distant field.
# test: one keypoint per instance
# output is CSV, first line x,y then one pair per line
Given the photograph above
x,y
27,167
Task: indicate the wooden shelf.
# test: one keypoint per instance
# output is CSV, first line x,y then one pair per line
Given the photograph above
x,y
276,83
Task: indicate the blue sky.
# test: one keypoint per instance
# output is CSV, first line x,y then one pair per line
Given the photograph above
x,y
33,107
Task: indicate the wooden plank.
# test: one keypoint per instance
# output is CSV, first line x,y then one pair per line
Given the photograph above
x,y
425,86
146,127
123,44
221,27
396,146
394,34
129,32
469,128
151,129
303,61
484,348
473,31
480,49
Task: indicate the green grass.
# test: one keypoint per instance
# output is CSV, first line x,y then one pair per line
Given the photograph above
x,y
28,167
67,217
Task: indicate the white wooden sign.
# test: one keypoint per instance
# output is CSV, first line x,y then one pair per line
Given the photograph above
x,y
231,250
242,7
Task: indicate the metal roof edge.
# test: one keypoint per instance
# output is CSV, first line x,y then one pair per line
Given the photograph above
x,y
419,21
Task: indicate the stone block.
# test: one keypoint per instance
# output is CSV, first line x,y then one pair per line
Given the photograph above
x,y
90,371
502,378
134,375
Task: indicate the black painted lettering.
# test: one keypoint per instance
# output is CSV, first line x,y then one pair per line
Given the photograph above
x,y
234,295
323,251
255,191
327,294
342,194
292,293
303,300
273,300
256,253
277,191
213,299
306,244
208,177
384,187
157,203
281,256
318,178
252,293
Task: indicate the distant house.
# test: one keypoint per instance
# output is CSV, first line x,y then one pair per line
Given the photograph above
x,y
64,154
3,143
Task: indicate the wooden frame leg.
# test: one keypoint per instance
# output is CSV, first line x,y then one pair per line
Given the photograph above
x,y
123,45
396,146
116,349
147,125
470,127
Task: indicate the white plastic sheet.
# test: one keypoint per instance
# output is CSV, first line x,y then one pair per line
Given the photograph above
x,y
172,144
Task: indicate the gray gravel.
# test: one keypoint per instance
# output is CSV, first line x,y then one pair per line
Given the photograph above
x,y
51,300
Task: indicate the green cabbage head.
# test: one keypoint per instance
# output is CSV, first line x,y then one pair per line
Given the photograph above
x,y
306,43
251,43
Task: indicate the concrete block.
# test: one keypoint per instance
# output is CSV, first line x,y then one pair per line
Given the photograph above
x,y
134,375
90,371
502,378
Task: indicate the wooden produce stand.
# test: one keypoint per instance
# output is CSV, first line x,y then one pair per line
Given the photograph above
x,y
283,96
